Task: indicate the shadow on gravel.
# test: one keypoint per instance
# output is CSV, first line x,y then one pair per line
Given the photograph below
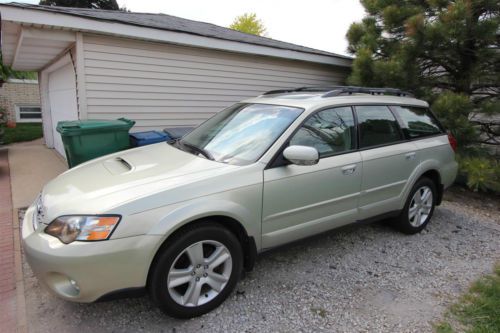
x,y
359,278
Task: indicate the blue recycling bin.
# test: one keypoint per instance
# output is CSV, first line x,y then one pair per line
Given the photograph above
x,y
140,139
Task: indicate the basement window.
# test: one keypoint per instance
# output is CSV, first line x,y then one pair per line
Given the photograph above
x,y
28,114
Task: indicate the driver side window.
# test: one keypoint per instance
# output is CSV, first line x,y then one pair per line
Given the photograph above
x,y
330,131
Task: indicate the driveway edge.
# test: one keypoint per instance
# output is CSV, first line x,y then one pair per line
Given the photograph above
x,y
8,292
22,324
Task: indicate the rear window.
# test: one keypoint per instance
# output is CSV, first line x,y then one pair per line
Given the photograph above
x,y
377,126
417,122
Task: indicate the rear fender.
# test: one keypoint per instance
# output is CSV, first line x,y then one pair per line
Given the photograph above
x,y
416,174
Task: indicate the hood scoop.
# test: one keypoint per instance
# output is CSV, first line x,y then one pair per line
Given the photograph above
x,y
117,166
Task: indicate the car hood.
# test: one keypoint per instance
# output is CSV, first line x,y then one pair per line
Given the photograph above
x,y
99,185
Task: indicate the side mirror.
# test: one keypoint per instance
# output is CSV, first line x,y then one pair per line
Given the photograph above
x,y
301,155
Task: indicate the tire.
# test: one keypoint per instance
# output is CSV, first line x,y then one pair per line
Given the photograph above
x,y
416,215
205,259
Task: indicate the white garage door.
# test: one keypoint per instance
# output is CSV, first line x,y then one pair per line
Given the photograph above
x,y
62,98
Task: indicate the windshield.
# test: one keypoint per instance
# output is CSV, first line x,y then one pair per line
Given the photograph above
x,y
242,133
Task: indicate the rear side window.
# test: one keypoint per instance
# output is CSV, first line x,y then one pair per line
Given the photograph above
x,y
330,131
377,126
417,122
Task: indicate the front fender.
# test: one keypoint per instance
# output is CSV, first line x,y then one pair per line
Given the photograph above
x,y
198,210
243,205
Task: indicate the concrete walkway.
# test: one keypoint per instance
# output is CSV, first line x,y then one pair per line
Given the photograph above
x,y
24,169
32,165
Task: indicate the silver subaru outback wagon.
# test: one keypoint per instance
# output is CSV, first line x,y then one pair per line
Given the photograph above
x,y
181,220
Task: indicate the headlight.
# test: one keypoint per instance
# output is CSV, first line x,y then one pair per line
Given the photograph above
x,y
82,228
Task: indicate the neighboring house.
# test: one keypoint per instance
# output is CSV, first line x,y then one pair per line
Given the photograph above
x,y
21,100
156,69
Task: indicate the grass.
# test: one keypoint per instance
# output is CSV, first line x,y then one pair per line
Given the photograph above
x,y
319,311
23,132
478,311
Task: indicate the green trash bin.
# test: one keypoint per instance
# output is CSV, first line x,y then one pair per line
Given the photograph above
x,y
87,139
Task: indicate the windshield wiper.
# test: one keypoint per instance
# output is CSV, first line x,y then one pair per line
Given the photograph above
x,y
173,141
197,149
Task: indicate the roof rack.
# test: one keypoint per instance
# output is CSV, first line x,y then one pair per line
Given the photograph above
x,y
365,90
342,90
289,90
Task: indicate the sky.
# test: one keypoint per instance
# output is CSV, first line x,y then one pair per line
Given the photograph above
x,y
320,24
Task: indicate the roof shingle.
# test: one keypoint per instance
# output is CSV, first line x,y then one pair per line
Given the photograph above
x,y
177,24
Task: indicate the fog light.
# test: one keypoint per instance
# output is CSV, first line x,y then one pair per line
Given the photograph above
x,y
62,284
74,284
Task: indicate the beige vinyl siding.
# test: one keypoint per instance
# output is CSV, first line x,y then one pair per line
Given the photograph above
x,y
161,85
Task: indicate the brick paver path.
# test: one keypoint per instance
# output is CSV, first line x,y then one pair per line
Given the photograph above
x,y
7,270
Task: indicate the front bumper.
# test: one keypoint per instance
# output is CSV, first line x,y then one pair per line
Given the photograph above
x,y
85,271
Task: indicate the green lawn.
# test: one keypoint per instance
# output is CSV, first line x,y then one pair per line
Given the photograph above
x,y
478,311
23,132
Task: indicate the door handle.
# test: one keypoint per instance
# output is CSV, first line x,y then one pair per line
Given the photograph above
x,y
410,156
349,169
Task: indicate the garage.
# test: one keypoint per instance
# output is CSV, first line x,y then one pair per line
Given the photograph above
x,y
158,70
62,99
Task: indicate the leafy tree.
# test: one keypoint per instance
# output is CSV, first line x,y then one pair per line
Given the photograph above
x,y
6,72
249,23
447,52
3,120
95,4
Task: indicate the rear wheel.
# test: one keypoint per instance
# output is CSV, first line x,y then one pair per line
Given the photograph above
x,y
197,271
419,207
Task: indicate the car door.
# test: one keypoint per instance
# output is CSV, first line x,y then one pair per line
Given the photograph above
x,y
299,201
388,160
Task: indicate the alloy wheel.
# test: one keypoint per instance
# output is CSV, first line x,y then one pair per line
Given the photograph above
x,y
199,273
420,206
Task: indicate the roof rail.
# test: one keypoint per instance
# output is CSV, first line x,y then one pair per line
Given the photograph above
x,y
289,90
333,91
278,91
365,90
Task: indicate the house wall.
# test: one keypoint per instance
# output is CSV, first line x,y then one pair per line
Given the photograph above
x,y
161,85
18,92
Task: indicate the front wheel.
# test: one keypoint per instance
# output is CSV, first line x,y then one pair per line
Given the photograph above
x,y
419,207
197,271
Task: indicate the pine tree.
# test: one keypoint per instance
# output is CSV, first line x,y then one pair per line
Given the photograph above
x,y
444,51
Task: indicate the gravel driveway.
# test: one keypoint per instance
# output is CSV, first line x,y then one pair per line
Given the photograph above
x,y
361,279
